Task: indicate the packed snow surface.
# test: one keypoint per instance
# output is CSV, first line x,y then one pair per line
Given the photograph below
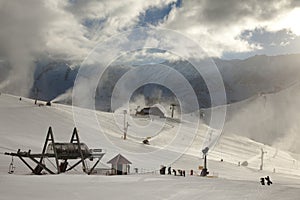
x,y
24,125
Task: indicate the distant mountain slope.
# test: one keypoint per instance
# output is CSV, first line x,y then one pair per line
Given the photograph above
x,y
272,118
242,79
258,74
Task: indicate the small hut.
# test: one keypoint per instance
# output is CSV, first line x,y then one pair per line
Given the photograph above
x,y
119,165
151,111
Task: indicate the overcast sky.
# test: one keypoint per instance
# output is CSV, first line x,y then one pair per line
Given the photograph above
x,y
69,29
223,28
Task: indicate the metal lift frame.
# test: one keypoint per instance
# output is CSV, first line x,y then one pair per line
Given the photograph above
x,y
40,166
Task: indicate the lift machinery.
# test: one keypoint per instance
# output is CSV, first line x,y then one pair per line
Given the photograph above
x,y
61,152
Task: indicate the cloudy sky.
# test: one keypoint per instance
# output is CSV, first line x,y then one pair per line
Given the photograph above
x,y
34,30
226,29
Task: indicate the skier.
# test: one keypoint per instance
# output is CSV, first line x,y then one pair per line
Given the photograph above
x,y
174,171
180,172
169,170
192,172
262,181
269,182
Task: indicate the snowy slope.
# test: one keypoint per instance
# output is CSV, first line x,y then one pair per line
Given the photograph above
x,y
272,119
24,125
139,187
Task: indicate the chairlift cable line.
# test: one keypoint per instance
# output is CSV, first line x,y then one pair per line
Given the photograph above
x,y
2,147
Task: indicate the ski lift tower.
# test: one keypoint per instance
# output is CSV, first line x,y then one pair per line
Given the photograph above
x,y
262,159
36,92
126,124
172,108
204,171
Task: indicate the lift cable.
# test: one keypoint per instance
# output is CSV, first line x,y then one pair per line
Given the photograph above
x,y
1,147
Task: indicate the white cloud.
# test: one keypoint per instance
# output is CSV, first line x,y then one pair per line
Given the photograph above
x,y
57,27
36,27
216,25
23,26
59,23
289,20
145,57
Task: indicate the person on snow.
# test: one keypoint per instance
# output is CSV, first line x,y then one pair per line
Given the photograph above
x,y
174,171
269,182
262,181
169,171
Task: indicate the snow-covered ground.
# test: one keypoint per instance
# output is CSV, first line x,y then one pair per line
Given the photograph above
x,y
138,187
24,125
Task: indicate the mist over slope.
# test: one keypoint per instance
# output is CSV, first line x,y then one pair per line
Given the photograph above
x,y
242,79
272,118
258,74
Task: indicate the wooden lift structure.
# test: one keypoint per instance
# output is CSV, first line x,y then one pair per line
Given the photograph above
x,y
61,152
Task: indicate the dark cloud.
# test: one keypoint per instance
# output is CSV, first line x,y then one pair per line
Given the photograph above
x,y
216,25
296,3
156,15
230,11
267,38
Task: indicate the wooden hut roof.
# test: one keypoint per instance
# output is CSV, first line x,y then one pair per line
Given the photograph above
x,y
119,159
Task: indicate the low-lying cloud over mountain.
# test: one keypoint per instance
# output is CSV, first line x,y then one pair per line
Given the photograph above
x,y
242,78
69,29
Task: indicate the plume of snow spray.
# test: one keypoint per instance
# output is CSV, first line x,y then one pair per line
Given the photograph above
x,y
23,26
